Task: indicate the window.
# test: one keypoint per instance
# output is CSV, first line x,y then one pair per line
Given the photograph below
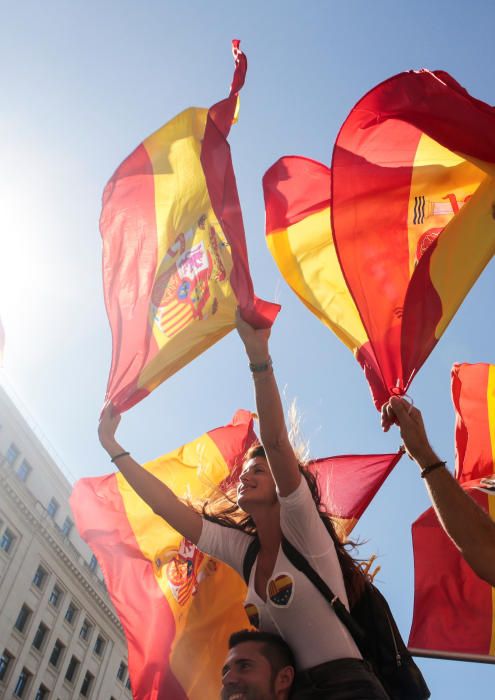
x,y
52,507
7,540
122,671
85,630
128,683
67,526
71,613
40,636
5,660
41,693
86,684
72,669
12,454
23,471
55,596
40,577
92,563
22,683
57,653
99,647
22,618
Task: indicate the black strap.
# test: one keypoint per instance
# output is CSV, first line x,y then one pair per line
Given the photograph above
x,y
303,565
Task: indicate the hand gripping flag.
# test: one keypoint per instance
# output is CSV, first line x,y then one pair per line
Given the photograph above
x,y
384,247
454,610
412,196
177,606
175,262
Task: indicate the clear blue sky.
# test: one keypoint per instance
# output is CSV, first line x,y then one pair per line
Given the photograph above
x,y
82,84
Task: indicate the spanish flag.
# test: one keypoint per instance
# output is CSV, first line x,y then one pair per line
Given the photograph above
x,y
175,263
384,246
412,213
454,610
177,606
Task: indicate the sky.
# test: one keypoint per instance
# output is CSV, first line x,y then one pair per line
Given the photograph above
x,y
83,83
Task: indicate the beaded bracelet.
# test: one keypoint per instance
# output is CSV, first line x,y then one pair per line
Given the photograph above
x,y
261,366
121,454
431,467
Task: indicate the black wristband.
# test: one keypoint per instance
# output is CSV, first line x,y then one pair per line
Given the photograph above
x,y
431,467
261,366
121,454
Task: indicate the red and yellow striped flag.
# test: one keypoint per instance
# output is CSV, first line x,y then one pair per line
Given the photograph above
x,y
175,262
413,181
177,606
454,610
473,394
385,246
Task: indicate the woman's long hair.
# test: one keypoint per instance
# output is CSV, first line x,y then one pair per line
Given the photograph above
x,y
224,510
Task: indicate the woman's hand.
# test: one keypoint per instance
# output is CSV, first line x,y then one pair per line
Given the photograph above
x,y
255,339
109,421
412,429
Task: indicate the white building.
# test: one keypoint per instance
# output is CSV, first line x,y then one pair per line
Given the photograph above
x,y
59,635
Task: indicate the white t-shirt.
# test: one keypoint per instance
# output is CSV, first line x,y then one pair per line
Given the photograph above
x,y
294,608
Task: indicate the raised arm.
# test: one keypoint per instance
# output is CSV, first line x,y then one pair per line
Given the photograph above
x,y
157,495
273,431
467,525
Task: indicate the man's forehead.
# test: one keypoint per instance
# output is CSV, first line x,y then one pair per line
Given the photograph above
x,y
246,650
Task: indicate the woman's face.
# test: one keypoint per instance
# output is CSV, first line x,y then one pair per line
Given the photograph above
x,y
256,486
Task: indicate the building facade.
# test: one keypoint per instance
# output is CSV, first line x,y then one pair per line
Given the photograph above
x,y
59,635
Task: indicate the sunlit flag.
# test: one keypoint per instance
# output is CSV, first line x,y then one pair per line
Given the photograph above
x,y
385,246
454,610
177,606
175,261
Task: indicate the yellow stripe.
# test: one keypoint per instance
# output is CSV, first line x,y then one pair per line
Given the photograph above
x,y
490,402
464,249
491,510
306,257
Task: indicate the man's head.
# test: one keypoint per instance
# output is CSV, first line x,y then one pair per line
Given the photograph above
x,y
259,666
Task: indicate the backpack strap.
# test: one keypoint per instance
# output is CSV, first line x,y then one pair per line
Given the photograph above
x,y
300,562
250,558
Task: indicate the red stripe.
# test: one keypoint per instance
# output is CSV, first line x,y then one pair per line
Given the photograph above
x,y
474,455
128,230
143,610
217,165
294,188
452,606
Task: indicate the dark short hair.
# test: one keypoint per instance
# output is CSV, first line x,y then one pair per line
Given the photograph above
x,y
277,652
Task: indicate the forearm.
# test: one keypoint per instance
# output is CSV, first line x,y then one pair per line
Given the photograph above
x,y
156,494
467,525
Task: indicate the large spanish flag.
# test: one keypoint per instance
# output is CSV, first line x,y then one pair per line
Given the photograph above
x,y
177,606
454,610
473,394
413,183
175,262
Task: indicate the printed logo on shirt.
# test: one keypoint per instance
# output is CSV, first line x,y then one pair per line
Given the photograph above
x,y
253,614
281,590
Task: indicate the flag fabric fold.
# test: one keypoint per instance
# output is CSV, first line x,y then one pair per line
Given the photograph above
x,y
175,263
454,610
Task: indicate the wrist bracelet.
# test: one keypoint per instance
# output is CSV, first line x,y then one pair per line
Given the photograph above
x,y
261,366
121,454
431,467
